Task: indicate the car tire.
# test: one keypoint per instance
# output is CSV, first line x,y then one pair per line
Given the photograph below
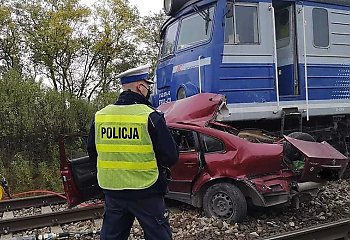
x,y
225,201
291,153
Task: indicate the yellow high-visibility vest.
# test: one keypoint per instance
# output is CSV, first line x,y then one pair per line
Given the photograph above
x,y
126,158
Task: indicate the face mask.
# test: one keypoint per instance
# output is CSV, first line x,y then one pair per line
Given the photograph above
x,y
148,94
148,91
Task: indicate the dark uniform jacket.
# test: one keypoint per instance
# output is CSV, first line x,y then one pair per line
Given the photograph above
x,y
164,148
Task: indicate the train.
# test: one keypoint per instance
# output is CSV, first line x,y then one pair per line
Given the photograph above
x,y
283,65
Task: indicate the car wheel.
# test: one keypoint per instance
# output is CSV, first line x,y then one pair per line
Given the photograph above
x,y
225,201
291,153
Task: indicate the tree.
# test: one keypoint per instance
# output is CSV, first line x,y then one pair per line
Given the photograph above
x,y
114,42
76,49
53,31
149,33
9,41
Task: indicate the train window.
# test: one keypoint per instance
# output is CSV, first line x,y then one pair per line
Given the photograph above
x,y
169,40
196,28
242,27
320,27
212,144
282,28
184,139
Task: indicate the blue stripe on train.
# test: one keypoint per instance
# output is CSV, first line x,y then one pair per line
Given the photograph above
x,y
328,82
247,83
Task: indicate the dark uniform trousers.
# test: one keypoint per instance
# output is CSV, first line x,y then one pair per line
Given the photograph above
x,y
120,215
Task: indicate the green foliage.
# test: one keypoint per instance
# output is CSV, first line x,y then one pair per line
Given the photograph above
x,y
104,99
53,34
56,43
32,120
76,49
9,41
114,46
17,102
48,177
148,32
21,173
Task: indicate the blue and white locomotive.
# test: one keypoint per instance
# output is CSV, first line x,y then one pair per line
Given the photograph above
x,y
273,59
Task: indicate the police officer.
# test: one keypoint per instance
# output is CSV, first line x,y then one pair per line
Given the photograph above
x,y
133,148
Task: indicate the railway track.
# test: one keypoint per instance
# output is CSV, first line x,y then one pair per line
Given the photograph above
x,y
54,219
36,201
47,216
339,230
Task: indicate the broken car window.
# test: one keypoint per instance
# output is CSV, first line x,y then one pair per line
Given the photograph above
x,y
184,139
212,144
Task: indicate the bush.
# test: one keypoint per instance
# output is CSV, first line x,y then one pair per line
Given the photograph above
x,y
32,119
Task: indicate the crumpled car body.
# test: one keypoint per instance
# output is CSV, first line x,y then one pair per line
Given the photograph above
x,y
258,169
220,171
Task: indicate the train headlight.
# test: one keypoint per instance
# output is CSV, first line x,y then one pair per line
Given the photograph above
x,y
168,6
181,93
172,6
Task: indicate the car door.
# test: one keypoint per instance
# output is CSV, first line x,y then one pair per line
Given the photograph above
x,y
78,171
186,169
216,158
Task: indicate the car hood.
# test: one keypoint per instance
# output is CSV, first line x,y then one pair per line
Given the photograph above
x,y
196,110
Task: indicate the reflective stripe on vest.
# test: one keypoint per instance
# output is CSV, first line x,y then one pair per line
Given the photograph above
x,y
126,159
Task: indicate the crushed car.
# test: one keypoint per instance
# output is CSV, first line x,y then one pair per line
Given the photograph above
x,y
221,169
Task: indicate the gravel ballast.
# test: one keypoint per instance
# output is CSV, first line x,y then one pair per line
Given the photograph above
x,y
189,223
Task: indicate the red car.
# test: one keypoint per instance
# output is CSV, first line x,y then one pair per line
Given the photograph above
x,y
219,170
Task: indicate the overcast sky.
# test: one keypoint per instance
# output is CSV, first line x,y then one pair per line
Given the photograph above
x,y
146,6
142,5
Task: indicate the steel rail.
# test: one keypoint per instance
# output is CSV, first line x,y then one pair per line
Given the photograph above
x,y
37,201
329,231
50,219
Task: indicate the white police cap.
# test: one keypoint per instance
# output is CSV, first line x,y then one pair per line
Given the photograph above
x,y
135,74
